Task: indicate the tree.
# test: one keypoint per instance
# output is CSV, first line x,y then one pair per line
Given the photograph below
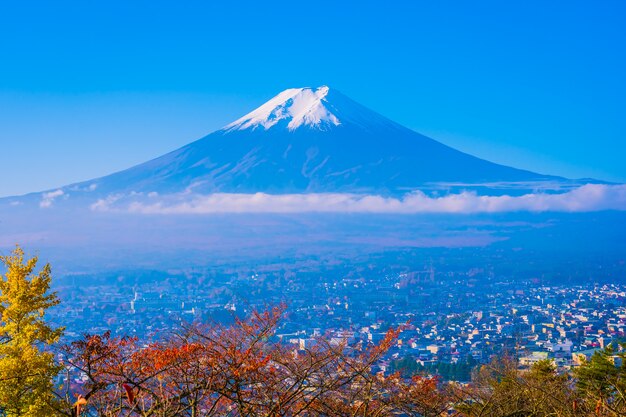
x,y
602,383
26,365
239,370
501,389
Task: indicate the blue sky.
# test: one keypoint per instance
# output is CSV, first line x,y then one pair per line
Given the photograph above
x,y
88,88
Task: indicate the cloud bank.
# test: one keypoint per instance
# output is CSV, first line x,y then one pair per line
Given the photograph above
x,y
590,197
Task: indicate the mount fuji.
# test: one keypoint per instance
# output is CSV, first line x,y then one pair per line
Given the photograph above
x,y
307,140
309,167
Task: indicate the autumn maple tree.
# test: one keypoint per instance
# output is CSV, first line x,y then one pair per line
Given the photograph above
x,y
239,370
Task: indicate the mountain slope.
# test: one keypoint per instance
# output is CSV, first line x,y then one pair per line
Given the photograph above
x,y
309,140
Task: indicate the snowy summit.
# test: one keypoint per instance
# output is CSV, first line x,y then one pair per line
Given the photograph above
x,y
294,107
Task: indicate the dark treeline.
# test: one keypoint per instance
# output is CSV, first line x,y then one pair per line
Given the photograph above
x,y
459,371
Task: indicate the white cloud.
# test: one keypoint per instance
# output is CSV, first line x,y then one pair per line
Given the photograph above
x,y
590,197
104,204
48,198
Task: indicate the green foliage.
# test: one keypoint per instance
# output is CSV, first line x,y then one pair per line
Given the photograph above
x,y
603,384
500,389
26,365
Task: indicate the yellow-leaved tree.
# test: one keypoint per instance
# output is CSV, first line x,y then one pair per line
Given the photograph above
x,y
26,365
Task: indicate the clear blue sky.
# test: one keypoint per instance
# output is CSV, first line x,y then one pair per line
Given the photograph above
x,y
88,88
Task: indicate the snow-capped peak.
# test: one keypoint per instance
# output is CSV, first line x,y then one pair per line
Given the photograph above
x,y
295,108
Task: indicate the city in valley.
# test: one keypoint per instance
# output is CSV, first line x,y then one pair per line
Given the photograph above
x,y
455,314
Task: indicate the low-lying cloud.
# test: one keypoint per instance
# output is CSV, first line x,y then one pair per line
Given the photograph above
x,y
48,198
590,197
